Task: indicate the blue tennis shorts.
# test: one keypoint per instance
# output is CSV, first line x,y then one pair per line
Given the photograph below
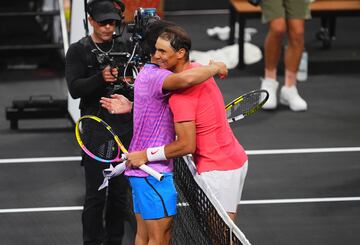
x,y
154,199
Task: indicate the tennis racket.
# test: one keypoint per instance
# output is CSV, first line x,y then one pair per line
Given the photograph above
x,y
97,139
246,105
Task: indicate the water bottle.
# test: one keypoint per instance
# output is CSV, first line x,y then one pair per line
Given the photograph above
x,y
302,73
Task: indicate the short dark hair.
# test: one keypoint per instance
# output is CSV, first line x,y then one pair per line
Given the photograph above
x,y
152,34
178,38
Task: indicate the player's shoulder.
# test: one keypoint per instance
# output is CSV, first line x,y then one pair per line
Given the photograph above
x,y
155,71
194,64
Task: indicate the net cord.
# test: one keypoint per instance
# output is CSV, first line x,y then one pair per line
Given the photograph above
x,y
234,230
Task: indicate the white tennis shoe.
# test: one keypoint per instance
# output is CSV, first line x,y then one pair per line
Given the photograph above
x,y
271,86
289,96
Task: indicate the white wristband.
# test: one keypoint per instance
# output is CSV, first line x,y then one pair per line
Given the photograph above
x,y
156,153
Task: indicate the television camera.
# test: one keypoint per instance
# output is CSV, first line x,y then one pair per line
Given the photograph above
x,y
127,63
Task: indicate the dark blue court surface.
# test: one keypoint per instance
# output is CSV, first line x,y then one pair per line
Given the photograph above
x,y
303,183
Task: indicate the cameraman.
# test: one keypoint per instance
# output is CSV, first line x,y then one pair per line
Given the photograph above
x,y
89,79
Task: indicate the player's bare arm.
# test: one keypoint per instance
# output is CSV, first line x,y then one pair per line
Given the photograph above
x,y
195,76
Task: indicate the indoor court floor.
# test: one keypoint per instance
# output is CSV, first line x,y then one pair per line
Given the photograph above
x,y
303,182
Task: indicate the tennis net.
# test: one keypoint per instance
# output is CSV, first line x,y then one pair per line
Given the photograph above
x,y
200,219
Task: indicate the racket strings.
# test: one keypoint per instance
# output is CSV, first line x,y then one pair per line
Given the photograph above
x,y
253,103
245,105
111,149
98,140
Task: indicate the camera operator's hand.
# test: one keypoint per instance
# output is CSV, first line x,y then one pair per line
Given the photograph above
x,y
109,75
223,71
117,104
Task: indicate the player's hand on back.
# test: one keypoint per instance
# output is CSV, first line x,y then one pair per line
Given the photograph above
x,y
223,71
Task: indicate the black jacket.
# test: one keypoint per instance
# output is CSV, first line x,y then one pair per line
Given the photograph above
x,y
85,81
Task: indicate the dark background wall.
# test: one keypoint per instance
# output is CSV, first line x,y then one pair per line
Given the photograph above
x,y
175,5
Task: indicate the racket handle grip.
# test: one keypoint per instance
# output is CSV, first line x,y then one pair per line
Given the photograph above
x,y
152,172
237,118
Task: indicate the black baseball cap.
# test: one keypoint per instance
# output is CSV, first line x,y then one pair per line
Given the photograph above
x,y
101,10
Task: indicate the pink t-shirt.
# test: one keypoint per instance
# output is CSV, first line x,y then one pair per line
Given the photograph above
x,y
216,146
